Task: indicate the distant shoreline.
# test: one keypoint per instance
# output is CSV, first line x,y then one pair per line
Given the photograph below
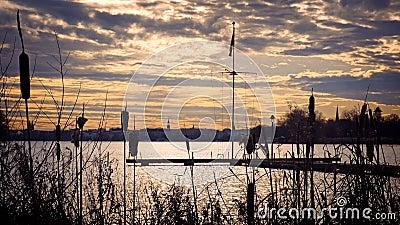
x,y
157,136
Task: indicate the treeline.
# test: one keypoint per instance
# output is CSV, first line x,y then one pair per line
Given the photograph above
x,y
341,130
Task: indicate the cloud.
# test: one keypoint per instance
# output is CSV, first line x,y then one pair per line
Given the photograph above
x,y
71,12
333,42
304,27
383,86
366,4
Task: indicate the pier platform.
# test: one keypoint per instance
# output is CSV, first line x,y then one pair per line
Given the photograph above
x,y
324,165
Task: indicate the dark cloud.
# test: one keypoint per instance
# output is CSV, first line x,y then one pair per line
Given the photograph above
x,y
352,36
71,12
256,43
304,27
91,76
366,4
109,21
386,28
384,87
147,4
307,51
339,25
169,81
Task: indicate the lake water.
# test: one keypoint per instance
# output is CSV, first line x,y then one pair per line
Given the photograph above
x,y
202,175
221,182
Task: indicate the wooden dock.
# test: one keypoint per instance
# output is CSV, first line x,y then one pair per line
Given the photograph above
x,y
325,165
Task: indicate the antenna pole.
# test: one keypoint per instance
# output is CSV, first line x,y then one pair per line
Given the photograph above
x,y
233,89
124,139
366,95
124,142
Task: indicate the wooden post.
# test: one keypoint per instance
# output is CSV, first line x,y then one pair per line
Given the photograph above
x,y
250,203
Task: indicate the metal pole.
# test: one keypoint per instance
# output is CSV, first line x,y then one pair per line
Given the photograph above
x,y
250,203
233,90
123,114
272,140
124,179
134,191
134,179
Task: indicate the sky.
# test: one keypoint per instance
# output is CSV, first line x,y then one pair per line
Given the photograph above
x,y
339,48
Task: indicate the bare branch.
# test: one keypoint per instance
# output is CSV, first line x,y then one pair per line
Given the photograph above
x,y
53,67
34,68
73,107
9,62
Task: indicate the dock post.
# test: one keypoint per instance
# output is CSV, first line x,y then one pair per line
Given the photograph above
x,y
250,203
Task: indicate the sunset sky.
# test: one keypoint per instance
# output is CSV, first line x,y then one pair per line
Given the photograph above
x,y
338,48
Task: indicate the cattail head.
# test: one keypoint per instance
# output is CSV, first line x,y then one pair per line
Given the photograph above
x,y
24,75
81,122
58,133
75,138
124,120
23,66
371,119
363,110
250,144
187,144
58,151
133,142
311,103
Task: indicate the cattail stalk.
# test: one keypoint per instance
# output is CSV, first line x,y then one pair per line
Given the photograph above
x,y
25,92
81,123
124,124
